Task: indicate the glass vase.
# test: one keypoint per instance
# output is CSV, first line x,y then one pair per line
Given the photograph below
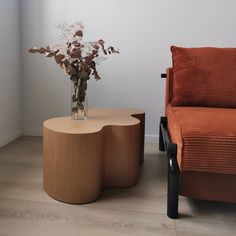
x,y
79,103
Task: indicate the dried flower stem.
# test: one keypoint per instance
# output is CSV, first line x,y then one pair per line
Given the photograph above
x,y
77,59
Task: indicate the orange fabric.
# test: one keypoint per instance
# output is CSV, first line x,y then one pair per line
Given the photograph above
x,y
169,85
208,186
175,133
204,77
206,138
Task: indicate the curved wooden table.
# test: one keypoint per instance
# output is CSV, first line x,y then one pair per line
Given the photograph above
x,y
82,157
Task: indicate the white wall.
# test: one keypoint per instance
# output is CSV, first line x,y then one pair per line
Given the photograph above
x,y
143,30
10,72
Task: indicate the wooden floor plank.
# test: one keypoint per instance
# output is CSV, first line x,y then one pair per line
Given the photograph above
x,y
25,209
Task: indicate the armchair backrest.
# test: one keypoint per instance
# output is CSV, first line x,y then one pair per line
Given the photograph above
x,y
169,86
202,77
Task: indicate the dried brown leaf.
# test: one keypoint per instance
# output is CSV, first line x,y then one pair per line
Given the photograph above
x,y
97,77
93,65
33,50
79,33
113,50
58,58
42,50
51,53
101,42
47,49
95,46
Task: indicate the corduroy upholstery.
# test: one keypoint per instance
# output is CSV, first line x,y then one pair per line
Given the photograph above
x,y
201,114
204,77
208,186
205,137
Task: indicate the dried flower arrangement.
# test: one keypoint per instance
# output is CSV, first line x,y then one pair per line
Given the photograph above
x,y
78,59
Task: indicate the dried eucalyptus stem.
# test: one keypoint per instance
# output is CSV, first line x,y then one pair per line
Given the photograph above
x,y
77,59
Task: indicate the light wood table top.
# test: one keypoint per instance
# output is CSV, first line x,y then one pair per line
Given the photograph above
x,y
97,119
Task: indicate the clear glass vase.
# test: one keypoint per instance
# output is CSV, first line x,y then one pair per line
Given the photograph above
x,y
79,104
80,112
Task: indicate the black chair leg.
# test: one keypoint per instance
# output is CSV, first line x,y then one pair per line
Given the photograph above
x,y
163,122
173,169
173,183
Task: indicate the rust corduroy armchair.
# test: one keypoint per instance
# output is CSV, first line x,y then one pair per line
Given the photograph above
x,y
198,131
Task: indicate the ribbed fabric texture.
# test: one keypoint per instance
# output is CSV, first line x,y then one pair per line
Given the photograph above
x,y
204,77
206,138
208,186
209,153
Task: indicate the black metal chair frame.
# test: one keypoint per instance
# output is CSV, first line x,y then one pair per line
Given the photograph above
x,y
165,144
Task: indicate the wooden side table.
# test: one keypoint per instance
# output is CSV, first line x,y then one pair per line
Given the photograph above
x,y
82,157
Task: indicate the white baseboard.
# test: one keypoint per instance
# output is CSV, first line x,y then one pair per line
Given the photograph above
x,y
33,132
9,138
150,138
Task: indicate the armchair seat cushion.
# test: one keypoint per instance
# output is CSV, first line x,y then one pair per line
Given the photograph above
x,y
206,138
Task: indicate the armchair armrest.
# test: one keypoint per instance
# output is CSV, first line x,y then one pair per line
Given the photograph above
x,y
163,75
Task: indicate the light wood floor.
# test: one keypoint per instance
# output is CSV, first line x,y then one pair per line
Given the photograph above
x,y
26,210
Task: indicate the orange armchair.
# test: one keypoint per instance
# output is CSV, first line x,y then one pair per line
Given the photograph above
x,y
198,131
